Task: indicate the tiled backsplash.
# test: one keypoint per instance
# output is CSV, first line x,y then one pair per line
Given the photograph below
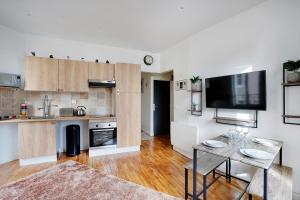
x,y
98,101
10,100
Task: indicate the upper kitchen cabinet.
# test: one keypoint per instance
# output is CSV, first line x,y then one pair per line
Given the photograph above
x,y
101,71
41,74
128,77
73,76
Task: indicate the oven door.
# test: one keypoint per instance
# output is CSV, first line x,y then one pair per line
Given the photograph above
x,y
104,137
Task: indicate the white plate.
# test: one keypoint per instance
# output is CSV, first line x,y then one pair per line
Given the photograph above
x,y
226,135
258,154
214,143
264,141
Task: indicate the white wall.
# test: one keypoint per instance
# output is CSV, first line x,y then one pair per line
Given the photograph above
x,y
11,58
13,48
146,103
261,38
44,46
147,99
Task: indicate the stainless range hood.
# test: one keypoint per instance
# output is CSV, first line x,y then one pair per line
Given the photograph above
x,y
10,80
94,83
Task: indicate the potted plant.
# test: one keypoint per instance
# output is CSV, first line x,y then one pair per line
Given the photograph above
x,y
293,73
196,84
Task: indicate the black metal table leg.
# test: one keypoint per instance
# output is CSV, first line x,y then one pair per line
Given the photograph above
x,y
195,174
204,187
186,183
229,170
280,156
250,197
226,175
265,184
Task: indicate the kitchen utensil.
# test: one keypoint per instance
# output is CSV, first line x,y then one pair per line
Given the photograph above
x,y
80,111
66,112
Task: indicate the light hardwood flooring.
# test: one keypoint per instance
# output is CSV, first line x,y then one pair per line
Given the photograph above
x,y
157,166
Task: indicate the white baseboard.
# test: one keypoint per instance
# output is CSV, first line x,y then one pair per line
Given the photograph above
x,y
148,132
109,151
37,160
296,196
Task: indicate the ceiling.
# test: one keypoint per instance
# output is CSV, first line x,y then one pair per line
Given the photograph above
x,y
150,25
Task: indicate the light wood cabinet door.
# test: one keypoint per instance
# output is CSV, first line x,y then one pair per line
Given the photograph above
x,y
73,76
41,74
36,139
128,112
128,77
101,71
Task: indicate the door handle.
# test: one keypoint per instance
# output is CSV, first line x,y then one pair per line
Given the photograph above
x,y
103,130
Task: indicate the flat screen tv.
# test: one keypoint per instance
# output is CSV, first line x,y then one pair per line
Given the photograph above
x,y
239,91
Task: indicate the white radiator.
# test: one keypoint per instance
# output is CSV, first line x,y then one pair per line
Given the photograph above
x,y
183,137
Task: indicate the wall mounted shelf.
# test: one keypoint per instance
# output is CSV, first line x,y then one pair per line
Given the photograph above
x,y
290,84
285,85
250,123
196,100
291,116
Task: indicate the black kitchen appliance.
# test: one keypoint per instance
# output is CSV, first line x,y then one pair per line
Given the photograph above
x,y
103,134
73,140
94,83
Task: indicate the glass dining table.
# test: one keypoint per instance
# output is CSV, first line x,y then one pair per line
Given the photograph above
x,y
231,151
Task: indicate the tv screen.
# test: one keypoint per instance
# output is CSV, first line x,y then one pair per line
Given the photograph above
x,y
239,91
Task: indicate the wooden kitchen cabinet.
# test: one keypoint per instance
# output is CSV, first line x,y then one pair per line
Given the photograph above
x,y
73,76
101,71
128,104
36,139
41,74
128,77
128,112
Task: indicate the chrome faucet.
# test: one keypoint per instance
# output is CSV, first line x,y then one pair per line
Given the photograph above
x,y
46,107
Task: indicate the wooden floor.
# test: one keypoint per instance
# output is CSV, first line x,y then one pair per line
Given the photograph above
x,y
157,166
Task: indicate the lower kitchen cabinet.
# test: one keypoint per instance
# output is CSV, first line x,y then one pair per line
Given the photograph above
x,y
36,139
128,112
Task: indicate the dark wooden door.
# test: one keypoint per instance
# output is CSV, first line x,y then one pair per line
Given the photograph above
x,y
161,107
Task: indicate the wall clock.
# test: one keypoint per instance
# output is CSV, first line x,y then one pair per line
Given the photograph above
x,y
148,60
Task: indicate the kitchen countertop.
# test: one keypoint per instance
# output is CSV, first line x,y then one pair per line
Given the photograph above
x,y
73,118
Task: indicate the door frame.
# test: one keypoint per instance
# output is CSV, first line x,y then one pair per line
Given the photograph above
x,y
152,79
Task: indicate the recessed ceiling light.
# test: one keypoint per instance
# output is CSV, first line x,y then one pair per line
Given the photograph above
x,y
181,8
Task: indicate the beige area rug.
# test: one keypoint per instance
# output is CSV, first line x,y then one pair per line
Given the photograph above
x,y
72,180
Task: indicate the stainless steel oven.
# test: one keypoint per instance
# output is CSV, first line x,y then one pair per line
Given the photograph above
x,y
103,134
